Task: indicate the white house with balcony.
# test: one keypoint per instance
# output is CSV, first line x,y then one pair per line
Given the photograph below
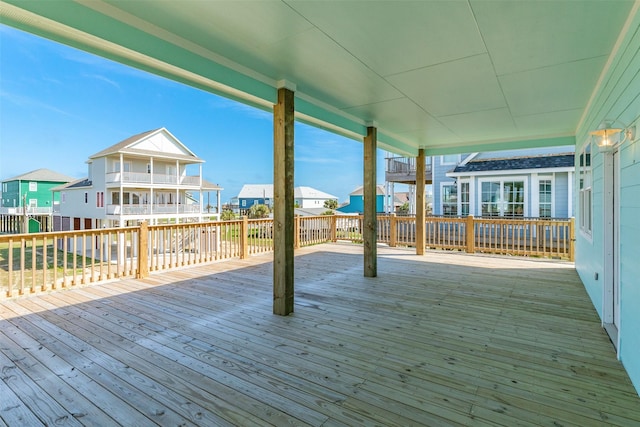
x,y
151,176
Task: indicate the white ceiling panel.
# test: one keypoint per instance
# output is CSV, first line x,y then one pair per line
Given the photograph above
x,y
395,36
556,88
455,87
496,124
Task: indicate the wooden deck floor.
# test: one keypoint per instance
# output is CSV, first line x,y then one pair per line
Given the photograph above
x,y
444,339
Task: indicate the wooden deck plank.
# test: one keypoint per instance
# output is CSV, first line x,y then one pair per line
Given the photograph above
x,y
35,360
443,339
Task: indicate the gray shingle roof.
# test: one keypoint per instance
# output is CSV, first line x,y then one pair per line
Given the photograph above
x,y
565,160
82,182
41,175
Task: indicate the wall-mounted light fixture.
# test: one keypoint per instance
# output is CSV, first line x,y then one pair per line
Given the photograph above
x,y
611,134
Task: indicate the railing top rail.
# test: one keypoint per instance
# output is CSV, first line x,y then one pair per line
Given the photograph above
x,y
52,234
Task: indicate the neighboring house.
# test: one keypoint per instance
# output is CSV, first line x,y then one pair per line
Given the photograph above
x,y
33,187
520,183
262,194
356,201
308,198
151,176
254,194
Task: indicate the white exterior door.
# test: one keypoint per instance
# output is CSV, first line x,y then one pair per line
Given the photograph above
x,y
611,235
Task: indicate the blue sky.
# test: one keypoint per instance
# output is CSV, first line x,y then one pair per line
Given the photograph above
x,y
59,105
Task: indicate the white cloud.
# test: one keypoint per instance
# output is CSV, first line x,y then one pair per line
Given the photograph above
x,y
103,79
28,102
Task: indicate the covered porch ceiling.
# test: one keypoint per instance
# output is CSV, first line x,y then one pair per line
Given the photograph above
x,y
446,76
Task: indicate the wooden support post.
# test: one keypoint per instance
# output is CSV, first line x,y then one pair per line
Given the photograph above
x,y
470,235
420,203
143,253
393,230
370,226
572,239
283,203
244,237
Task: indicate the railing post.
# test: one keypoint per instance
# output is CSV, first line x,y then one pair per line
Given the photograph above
x,y
244,237
393,230
572,239
143,253
334,228
470,234
296,232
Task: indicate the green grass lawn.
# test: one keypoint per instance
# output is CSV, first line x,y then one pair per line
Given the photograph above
x,y
28,262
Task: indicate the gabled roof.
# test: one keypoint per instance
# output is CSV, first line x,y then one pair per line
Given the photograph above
x,y
128,146
564,160
311,193
41,175
359,192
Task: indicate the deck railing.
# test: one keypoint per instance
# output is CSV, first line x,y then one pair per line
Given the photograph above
x,y
40,262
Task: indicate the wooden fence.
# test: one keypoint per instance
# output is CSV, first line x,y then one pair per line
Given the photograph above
x,y
40,262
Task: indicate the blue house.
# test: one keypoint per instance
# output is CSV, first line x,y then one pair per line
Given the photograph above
x,y
518,183
356,201
254,194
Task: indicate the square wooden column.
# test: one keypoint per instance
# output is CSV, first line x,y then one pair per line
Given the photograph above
x,y
420,205
370,226
283,201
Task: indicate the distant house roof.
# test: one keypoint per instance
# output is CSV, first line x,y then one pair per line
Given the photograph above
x,y
359,192
78,183
265,191
206,185
310,211
401,197
311,193
564,160
127,146
256,191
41,175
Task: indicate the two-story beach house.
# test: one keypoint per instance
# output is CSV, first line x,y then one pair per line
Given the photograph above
x,y
151,176
31,190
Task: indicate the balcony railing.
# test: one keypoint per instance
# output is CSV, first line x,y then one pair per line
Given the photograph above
x,y
156,209
145,178
31,263
403,169
30,211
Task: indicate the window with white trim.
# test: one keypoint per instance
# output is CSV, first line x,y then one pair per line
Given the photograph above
x,y
449,199
545,197
585,198
33,186
464,198
503,198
